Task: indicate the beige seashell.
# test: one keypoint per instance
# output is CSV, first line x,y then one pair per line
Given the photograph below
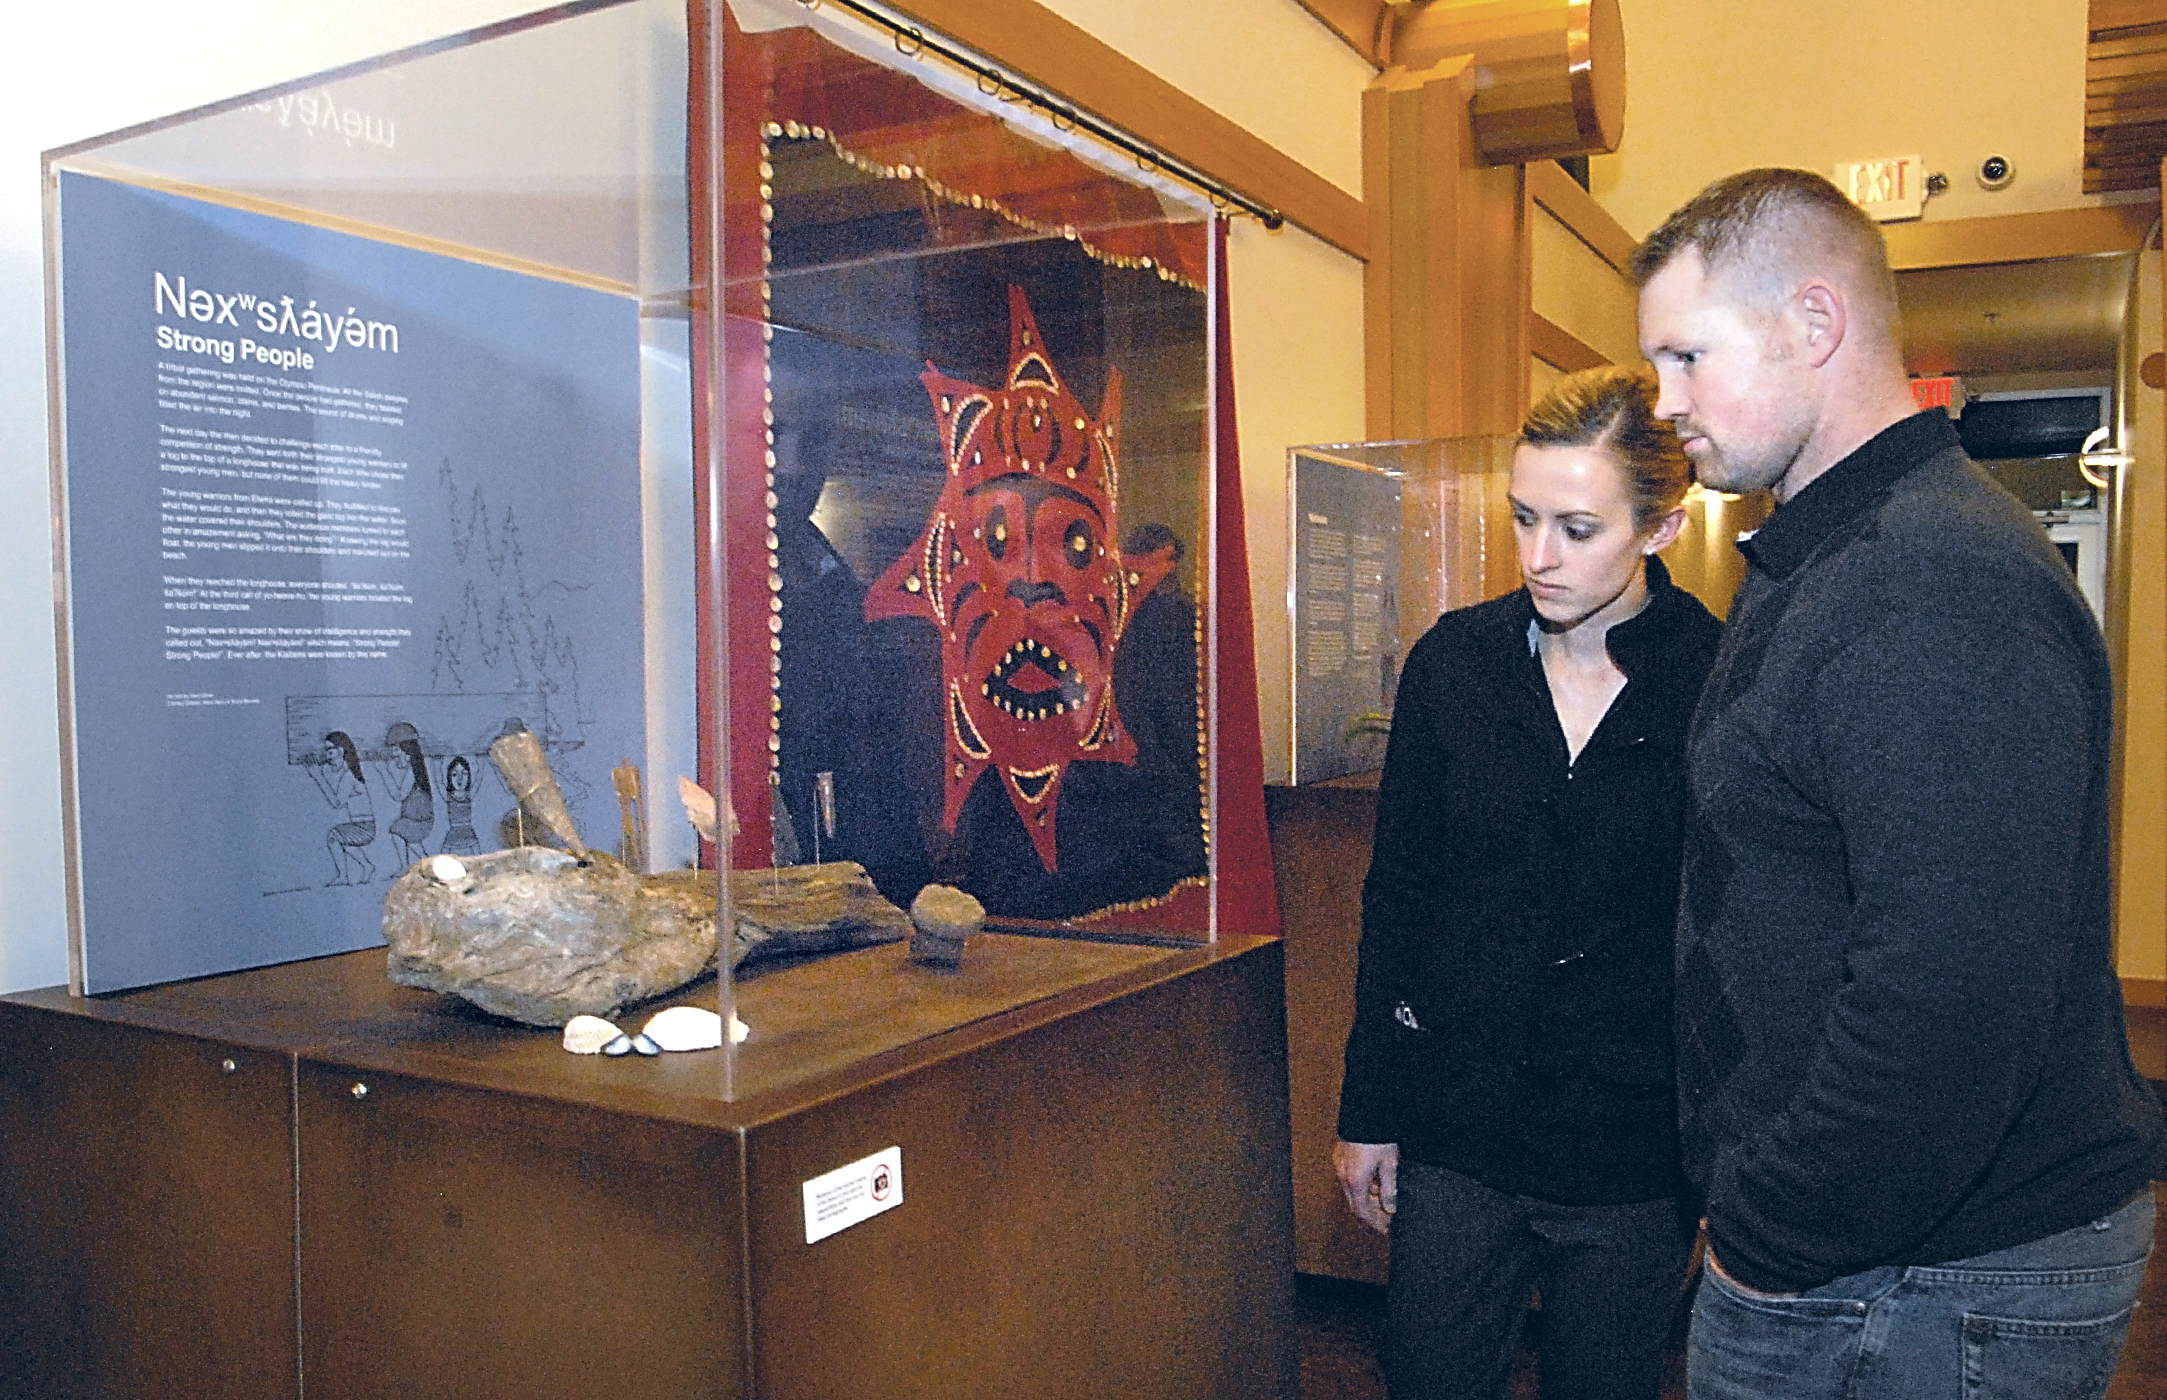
x,y
586,1035
685,1028
738,1030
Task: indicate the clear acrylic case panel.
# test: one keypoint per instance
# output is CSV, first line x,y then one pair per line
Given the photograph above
x,y
375,445
975,357
721,392
1383,539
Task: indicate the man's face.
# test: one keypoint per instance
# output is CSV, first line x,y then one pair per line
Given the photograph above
x,y
1729,383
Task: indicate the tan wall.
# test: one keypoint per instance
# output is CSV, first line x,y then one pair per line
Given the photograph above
x,y
1267,65
1717,85
1577,290
1296,302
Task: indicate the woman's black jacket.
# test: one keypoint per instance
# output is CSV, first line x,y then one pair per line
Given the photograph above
x,y
1513,1004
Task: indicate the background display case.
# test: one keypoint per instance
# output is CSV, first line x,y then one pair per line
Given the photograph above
x,y
731,391
1383,539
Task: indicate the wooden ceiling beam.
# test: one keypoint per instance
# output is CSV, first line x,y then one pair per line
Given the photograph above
x,y
1361,24
1038,44
2055,233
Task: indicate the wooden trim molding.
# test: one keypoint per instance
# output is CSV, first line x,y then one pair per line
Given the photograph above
x,y
1040,45
2125,95
1361,24
1556,346
2144,991
1560,194
2055,233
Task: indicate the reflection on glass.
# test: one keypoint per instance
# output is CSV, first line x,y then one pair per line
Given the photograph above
x,y
1385,538
987,374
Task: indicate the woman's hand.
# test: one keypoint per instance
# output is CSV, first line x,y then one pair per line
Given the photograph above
x,y
1369,1176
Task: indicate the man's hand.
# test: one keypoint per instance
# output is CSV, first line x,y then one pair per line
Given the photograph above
x,y
1715,1266
1369,1174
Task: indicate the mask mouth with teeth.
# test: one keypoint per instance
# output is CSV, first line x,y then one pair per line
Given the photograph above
x,y
1021,570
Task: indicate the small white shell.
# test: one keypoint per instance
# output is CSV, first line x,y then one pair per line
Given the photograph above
x,y
645,1046
447,870
685,1028
738,1030
586,1035
622,1045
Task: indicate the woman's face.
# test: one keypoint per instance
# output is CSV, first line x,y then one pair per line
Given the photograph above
x,y
1572,518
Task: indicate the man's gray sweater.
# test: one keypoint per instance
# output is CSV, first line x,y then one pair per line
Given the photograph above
x,y
1900,1029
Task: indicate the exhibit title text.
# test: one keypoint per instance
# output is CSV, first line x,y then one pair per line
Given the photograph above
x,y
282,317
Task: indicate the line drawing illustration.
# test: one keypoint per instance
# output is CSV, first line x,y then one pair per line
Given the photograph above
x,y
337,774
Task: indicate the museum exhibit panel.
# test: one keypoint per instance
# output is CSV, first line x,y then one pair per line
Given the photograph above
x,y
719,508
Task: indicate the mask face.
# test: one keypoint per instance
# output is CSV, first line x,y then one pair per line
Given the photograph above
x,y
1021,570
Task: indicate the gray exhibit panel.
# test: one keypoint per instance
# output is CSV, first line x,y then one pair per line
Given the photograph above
x,y
317,560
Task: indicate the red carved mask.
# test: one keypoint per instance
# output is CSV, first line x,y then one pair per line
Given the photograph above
x,y
1021,569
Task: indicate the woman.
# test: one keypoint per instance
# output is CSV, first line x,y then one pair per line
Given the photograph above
x,y
1506,1113
417,805
459,837
338,777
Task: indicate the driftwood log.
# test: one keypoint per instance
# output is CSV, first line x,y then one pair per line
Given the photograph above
x,y
539,935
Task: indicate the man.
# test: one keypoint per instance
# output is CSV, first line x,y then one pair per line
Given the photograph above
x,y
1904,1083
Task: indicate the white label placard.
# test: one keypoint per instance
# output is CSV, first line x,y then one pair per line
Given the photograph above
x,y
842,1198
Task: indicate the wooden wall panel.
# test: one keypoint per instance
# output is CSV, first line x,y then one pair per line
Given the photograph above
x,y
1559,348
2125,95
1577,291
1448,291
1320,846
1575,208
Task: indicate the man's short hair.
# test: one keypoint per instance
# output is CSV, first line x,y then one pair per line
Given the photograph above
x,y
1769,228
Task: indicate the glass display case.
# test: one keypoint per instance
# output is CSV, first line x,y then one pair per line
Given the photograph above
x,y
1383,539
731,393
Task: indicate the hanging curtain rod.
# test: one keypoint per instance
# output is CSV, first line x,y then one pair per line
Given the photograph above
x,y
911,42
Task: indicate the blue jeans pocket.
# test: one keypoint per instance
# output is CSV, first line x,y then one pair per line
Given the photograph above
x,y
2009,1358
1742,1345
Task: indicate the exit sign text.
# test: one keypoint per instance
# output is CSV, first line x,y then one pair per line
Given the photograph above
x,y
1886,189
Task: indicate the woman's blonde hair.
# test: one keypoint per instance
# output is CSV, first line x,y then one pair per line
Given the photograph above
x,y
1613,408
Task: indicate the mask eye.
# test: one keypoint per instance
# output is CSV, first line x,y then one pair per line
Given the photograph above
x,y
1077,544
997,532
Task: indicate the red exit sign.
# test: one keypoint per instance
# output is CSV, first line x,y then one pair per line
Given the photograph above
x,y
1939,391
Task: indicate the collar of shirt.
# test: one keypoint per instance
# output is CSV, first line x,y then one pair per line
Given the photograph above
x,y
1631,640
1845,491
